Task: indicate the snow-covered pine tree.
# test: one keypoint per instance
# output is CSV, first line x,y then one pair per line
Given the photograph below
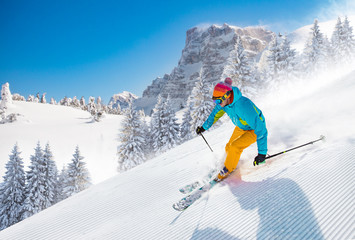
x,y
30,98
98,103
170,126
131,150
35,185
43,98
201,102
288,55
146,135
78,177
274,63
239,69
185,129
53,102
37,99
18,97
349,41
75,102
65,101
12,191
61,184
337,42
6,97
314,54
51,175
91,106
157,135
83,104
285,65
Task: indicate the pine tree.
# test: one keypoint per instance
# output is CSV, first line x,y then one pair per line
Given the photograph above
x,y
35,186
131,150
6,97
314,52
349,41
281,63
170,126
53,102
51,174
146,134
336,54
75,102
12,191
202,103
91,106
239,69
43,98
61,185
288,60
30,98
78,177
185,130
65,101
82,103
157,134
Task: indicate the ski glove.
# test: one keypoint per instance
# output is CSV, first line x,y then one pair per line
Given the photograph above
x,y
200,130
260,159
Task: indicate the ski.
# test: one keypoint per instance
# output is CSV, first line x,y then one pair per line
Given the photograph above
x,y
187,201
197,184
190,187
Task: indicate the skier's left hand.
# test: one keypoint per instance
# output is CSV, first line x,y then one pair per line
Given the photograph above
x,y
259,159
200,130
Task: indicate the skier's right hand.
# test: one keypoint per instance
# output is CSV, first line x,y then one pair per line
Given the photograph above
x,y
200,130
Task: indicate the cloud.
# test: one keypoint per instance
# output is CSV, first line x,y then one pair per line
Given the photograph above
x,y
336,8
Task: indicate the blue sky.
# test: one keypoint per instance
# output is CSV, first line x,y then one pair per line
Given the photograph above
x,y
99,48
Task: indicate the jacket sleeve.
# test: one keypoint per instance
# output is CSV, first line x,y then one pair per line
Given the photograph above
x,y
256,121
216,114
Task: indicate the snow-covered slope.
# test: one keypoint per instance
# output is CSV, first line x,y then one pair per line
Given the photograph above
x,y
304,194
64,128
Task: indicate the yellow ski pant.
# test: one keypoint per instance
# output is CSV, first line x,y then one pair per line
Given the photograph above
x,y
240,140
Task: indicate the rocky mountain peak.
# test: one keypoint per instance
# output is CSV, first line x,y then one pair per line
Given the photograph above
x,y
207,48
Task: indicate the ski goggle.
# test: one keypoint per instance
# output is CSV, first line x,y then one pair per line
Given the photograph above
x,y
219,100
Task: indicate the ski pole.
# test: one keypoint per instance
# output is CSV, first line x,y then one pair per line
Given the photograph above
x,y
270,156
206,142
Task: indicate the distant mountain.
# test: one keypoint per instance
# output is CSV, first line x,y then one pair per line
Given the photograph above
x,y
206,48
122,99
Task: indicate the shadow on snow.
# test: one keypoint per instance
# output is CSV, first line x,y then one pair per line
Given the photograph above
x,y
283,208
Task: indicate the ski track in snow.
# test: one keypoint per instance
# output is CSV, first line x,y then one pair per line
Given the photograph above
x,y
310,199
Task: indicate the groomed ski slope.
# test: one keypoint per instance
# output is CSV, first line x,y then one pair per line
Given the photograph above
x,y
305,194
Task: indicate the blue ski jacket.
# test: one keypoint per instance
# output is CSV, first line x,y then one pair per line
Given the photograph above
x,y
244,114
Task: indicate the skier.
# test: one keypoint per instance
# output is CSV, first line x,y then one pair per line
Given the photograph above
x,y
249,121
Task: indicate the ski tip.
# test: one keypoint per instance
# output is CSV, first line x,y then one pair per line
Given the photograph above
x,y
177,208
323,138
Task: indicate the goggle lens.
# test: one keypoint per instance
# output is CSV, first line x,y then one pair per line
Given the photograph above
x,y
218,101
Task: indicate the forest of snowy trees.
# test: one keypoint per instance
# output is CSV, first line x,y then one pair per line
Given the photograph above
x,y
283,65
23,194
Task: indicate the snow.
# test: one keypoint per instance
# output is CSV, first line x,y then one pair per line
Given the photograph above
x,y
303,194
300,36
64,128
